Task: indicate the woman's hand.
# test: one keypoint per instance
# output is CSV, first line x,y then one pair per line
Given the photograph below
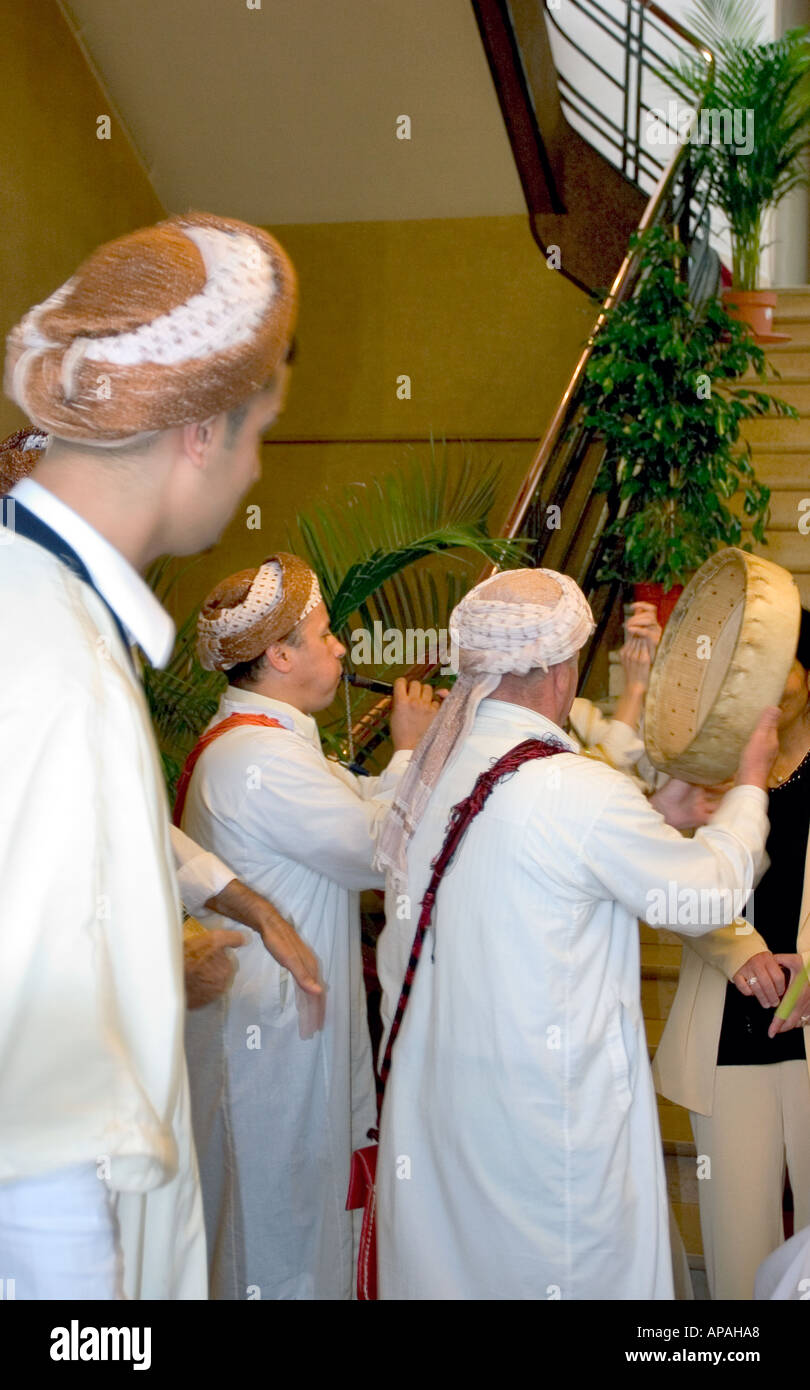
x,y
800,1015
641,624
641,636
761,978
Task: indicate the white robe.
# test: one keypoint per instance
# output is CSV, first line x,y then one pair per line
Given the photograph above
x,y
91,969
520,1155
276,1115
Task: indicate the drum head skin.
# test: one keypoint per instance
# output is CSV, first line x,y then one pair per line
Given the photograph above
x,y
725,654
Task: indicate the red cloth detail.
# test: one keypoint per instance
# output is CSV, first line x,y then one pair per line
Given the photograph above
x,y
232,722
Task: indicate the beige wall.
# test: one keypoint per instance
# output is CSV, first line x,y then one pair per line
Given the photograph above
x,y
467,308
63,190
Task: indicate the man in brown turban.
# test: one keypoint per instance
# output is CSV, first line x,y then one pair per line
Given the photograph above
x,y
206,884
154,369
277,1109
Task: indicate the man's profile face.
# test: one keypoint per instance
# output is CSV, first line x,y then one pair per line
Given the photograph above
x,y
317,660
236,457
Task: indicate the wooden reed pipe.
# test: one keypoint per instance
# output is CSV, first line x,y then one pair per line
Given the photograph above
x,y
365,683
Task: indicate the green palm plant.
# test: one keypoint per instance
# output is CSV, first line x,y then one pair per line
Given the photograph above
x,y
400,549
182,697
767,83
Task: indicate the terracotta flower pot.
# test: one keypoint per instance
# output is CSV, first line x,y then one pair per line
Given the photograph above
x,y
754,308
664,599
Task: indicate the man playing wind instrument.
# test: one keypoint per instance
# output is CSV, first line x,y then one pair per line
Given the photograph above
x,y
279,1099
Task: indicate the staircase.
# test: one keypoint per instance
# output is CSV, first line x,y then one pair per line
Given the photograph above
x,y
781,448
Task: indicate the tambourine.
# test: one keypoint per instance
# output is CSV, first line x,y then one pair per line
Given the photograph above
x,y
725,654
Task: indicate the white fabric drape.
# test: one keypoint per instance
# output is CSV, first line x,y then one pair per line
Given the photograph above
x,y
91,984
276,1115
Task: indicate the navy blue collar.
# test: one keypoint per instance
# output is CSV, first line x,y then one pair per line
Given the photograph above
x,y
19,519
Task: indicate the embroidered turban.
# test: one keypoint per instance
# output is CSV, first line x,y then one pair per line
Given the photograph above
x,y
162,327
18,454
250,610
514,622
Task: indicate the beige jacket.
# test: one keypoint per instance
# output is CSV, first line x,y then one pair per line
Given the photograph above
x,y
685,1062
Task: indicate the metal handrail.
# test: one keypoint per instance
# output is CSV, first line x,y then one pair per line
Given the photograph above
x,y
637,54
367,732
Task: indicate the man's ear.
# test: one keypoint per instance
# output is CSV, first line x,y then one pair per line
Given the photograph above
x,y
278,656
198,438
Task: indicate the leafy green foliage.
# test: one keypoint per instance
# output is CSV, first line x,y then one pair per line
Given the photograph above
x,y
767,83
663,392
374,531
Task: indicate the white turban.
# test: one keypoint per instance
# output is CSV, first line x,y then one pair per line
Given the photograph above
x,y
512,623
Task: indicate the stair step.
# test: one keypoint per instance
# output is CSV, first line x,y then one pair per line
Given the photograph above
x,y
789,549
657,936
660,962
795,393
675,1124
656,997
687,1217
789,361
785,512
775,433
654,1028
797,328
795,299
783,470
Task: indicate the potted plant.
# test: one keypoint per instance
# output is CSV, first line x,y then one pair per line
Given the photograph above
x,y
753,135
662,390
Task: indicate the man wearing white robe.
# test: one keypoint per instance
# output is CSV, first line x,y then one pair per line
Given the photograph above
x,y
520,1155
278,1108
182,323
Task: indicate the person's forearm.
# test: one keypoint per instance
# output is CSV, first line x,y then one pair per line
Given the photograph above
x,y
630,704
240,903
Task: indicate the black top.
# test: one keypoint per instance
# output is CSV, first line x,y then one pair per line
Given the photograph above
x,y
774,912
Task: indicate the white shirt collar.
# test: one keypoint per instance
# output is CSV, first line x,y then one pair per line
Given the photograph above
x,y
519,716
145,620
294,719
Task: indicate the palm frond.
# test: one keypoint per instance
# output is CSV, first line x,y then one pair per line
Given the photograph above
x,y
375,530
722,22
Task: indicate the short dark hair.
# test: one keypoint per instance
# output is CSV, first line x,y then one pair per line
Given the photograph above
x,y
249,672
235,418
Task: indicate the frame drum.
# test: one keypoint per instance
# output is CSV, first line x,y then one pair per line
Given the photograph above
x,y
725,654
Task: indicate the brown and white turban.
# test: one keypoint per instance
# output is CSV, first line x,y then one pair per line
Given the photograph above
x,y
165,326
512,623
250,610
18,454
